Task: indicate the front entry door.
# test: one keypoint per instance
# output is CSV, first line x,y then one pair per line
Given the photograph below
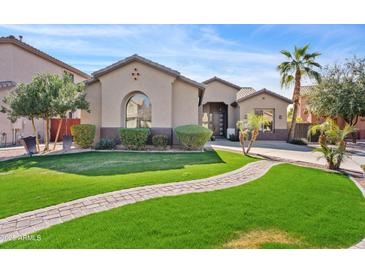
x,y
215,118
217,124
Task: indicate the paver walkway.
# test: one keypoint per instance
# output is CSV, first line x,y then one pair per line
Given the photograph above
x,y
32,221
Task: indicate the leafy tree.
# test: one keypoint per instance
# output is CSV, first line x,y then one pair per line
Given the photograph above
x,y
300,64
250,128
69,97
330,133
23,101
341,92
47,87
45,97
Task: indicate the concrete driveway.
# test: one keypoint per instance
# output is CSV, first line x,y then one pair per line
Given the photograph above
x,y
292,152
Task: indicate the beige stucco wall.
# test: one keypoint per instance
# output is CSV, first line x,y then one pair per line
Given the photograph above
x,y
184,104
20,66
5,124
118,85
218,92
94,116
25,125
266,101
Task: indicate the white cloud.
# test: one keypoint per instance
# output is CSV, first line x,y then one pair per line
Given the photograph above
x,y
198,52
77,31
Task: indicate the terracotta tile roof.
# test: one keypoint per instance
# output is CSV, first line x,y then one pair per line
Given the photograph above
x,y
147,62
304,90
245,91
264,90
215,78
6,84
14,41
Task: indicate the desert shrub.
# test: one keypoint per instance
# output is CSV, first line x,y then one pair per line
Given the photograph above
x,y
160,141
233,137
134,138
83,135
105,143
193,136
302,142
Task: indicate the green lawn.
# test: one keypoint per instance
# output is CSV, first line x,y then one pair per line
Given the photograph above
x,y
31,183
306,208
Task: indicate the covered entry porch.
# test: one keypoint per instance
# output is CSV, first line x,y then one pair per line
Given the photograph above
x,y
215,117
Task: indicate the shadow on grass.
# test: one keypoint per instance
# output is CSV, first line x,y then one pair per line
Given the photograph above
x,y
111,163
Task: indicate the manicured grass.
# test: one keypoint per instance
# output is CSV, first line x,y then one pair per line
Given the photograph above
x,y
307,208
30,183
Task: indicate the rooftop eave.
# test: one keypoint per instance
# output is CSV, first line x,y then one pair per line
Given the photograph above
x,y
265,91
41,54
225,82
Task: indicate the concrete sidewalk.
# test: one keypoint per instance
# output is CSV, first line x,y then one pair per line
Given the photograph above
x,y
291,152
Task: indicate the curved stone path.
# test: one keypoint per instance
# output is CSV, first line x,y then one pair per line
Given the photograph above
x,y
25,223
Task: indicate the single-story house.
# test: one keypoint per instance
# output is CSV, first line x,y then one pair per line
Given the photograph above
x,y
225,103
137,92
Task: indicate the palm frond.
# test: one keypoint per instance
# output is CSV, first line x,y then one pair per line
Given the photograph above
x,y
313,64
286,53
286,80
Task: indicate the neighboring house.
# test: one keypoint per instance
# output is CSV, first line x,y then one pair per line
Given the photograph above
x,y
225,103
309,117
304,112
19,63
136,92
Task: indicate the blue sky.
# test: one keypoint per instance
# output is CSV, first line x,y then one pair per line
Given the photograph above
x,y
247,55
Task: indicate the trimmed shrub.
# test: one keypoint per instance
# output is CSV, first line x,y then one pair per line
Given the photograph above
x,y
193,136
233,138
134,138
105,143
83,135
160,141
302,142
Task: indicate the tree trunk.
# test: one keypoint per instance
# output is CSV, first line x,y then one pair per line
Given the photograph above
x,y
46,136
296,95
332,166
242,142
36,134
57,134
253,139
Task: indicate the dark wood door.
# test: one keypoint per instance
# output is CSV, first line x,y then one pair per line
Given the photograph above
x,y
217,124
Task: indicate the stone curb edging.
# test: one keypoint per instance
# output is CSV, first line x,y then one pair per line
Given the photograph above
x,y
29,222
361,244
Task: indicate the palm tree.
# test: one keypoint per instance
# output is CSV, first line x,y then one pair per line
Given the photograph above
x,y
300,64
251,127
254,124
332,141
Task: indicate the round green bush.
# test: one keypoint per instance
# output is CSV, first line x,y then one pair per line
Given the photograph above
x,y
105,143
160,141
83,135
134,138
193,137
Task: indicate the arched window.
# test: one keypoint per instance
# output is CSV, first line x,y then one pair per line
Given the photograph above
x,y
138,111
